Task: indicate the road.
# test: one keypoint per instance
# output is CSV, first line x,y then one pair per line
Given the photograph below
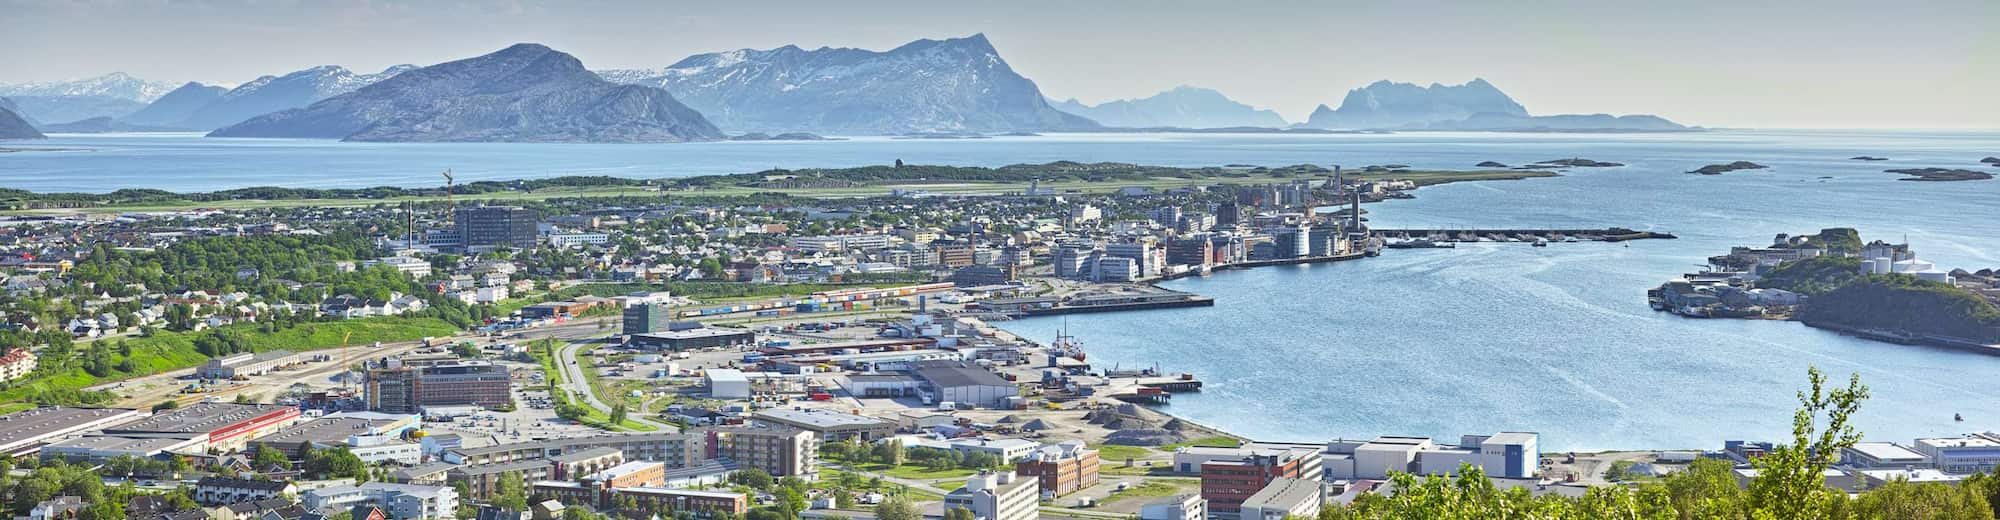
x,y
567,362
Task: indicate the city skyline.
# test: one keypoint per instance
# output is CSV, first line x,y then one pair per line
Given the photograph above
x,y
1785,66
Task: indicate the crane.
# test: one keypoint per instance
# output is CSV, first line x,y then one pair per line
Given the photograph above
x,y
346,367
449,207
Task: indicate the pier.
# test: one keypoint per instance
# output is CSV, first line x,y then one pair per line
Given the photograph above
x,y
1521,235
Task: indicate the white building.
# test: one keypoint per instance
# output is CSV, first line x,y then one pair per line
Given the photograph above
x,y
401,501
998,496
16,363
1183,507
727,383
1882,455
1284,497
409,265
1962,456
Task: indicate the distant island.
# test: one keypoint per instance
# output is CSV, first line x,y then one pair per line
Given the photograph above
x,y
1835,281
1941,174
1474,106
1719,169
788,136
1576,162
1867,158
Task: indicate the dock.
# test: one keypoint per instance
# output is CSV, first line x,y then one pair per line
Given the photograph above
x,y
1521,235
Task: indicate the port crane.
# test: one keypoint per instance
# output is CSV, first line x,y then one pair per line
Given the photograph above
x,y
449,206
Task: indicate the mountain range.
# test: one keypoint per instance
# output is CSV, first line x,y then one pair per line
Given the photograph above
x,y
1180,107
526,92
952,86
957,85
1475,106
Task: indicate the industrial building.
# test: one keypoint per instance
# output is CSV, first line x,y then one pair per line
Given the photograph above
x,y
1882,455
690,336
955,382
726,383
98,448
24,432
1962,455
245,364
829,425
220,427
365,434
1227,483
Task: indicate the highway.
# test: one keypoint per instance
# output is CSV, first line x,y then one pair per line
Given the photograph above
x,y
575,383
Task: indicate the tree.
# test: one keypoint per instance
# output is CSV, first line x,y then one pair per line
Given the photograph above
x,y
268,457
166,405
1927,501
958,513
753,477
1791,478
511,493
618,413
897,508
335,462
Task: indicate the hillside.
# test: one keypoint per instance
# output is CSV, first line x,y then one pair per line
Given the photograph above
x,y
958,85
1181,107
526,92
1907,304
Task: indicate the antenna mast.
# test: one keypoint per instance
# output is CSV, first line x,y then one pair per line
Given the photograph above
x,y
449,206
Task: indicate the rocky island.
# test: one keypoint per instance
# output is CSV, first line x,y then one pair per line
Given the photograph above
x,y
1867,158
1833,280
1577,162
1941,174
1719,169
1991,160
1491,164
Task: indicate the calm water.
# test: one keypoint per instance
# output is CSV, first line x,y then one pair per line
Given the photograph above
x,y
1435,342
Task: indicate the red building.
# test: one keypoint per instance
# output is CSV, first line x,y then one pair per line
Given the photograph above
x,y
1226,484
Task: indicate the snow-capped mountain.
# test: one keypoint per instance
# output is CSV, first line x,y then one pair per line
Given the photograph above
x,y
958,85
117,85
269,94
1181,107
526,92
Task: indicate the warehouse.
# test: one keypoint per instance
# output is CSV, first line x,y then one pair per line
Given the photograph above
x,y
101,448
336,430
23,432
727,383
678,339
219,426
950,382
245,364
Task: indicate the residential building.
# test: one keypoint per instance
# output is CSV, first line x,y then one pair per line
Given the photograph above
x,y
215,491
775,450
400,501
703,504
997,496
409,265
1062,468
16,363
676,450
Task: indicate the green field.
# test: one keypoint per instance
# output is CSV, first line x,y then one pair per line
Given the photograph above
x,y
167,351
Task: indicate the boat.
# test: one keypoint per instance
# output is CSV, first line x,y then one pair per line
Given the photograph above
x,y
1541,242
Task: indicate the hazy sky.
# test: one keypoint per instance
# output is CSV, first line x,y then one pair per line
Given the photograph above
x,y
1729,63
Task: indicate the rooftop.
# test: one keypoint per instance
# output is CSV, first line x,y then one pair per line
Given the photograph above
x,y
955,374
328,430
819,418
623,470
1885,451
116,443
1283,492
30,425
680,492
586,454
198,418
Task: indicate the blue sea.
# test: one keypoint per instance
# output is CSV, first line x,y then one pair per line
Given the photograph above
x,y
1482,338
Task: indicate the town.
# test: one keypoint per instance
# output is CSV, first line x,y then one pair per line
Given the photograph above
x,y
654,355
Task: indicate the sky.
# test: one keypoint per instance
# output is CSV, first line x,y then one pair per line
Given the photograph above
x,y
1764,64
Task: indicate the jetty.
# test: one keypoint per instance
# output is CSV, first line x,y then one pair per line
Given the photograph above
x,y
1521,235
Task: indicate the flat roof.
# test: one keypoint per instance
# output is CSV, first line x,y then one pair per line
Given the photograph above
x,y
1885,451
1514,437
682,492
1959,442
327,430
197,418
115,443
37,424
501,467
725,374
586,454
946,375
1283,492
704,332
624,469
819,418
